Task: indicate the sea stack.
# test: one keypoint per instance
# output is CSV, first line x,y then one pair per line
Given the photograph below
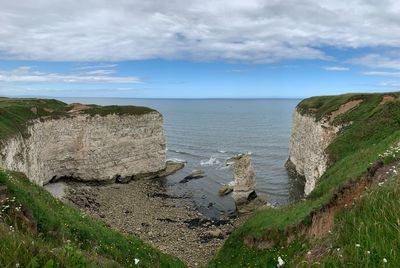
x,y
245,179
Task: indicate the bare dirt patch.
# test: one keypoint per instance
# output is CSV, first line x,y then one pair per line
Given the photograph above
x,y
387,98
343,109
48,110
322,220
75,107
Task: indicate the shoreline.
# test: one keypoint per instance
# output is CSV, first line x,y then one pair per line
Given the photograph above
x,y
144,208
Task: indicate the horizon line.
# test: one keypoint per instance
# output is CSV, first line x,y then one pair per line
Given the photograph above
x,y
155,98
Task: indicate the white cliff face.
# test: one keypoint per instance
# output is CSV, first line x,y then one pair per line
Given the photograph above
x,y
88,148
307,147
245,179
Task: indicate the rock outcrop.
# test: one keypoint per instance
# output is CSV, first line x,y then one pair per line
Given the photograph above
x,y
309,141
87,147
245,179
307,156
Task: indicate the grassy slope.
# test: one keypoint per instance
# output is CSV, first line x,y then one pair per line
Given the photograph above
x,y
375,128
91,243
66,237
16,113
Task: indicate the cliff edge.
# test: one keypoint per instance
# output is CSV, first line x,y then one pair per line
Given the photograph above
x,y
48,140
311,136
348,149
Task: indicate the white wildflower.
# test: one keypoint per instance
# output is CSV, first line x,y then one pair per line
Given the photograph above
x,y
368,252
358,245
338,249
281,262
136,261
384,260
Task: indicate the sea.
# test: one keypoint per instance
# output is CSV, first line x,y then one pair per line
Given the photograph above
x,y
205,133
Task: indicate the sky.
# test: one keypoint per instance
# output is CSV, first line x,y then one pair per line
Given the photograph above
x,y
198,49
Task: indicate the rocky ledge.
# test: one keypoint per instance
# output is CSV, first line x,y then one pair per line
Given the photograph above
x,y
83,142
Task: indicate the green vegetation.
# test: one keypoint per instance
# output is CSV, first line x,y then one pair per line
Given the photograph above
x,y
120,110
365,235
15,114
374,129
368,234
65,237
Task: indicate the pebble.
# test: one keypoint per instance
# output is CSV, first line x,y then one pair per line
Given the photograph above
x,y
171,235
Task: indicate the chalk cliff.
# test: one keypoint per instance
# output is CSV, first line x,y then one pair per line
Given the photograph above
x,y
307,146
309,140
87,147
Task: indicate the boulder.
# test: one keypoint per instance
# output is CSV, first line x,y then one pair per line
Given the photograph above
x,y
196,174
245,179
225,190
217,233
171,168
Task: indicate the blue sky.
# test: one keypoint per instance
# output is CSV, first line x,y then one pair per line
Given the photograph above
x,y
218,49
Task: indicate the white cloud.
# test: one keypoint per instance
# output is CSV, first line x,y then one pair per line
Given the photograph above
x,y
100,72
388,60
395,84
382,73
255,31
335,68
98,66
26,74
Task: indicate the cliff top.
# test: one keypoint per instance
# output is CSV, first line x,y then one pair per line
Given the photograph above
x,y
15,113
323,106
370,138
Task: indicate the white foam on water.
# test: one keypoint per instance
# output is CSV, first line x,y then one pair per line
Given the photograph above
x,y
177,160
210,162
231,183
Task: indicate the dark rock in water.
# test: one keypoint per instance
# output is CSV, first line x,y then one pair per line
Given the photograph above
x,y
171,168
196,174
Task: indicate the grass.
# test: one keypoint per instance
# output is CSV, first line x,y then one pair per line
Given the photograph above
x,y
119,110
66,237
369,232
374,129
15,114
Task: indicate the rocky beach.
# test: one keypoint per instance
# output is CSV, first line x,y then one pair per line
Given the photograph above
x,y
143,208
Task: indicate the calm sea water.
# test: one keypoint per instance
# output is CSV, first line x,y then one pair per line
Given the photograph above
x,y
205,133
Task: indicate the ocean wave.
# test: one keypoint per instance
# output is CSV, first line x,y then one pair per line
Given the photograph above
x,y
210,162
183,152
221,151
176,160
